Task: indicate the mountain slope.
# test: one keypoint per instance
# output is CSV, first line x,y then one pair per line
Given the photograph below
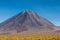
x,y
24,21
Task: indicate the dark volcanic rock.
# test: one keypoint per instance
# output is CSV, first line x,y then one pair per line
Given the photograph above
x,y
24,21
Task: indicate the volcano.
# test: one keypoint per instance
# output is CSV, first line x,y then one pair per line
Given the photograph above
x,y
26,21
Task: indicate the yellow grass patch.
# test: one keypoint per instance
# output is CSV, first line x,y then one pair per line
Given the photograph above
x,y
31,37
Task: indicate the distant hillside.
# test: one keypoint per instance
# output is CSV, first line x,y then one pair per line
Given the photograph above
x,y
26,22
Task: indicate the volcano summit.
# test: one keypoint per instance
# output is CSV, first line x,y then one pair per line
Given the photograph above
x,y
26,22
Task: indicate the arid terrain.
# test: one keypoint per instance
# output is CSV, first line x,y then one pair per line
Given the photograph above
x,y
27,22
31,37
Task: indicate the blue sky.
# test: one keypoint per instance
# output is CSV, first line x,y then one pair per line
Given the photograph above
x,y
49,9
